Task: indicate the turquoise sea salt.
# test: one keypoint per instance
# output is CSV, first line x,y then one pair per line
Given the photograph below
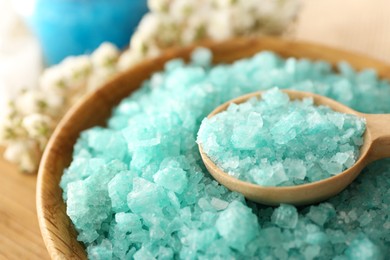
x,y
121,199
276,141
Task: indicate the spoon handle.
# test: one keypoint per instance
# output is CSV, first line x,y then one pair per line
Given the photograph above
x,y
378,128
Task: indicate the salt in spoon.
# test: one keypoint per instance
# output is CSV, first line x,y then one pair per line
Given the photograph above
x,y
376,146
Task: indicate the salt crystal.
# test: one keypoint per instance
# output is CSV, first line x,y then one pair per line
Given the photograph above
x,y
285,133
386,225
271,236
353,215
366,217
285,216
275,98
219,204
174,179
244,138
337,236
173,64
362,248
165,253
118,188
101,251
255,119
311,252
295,169
201,57
145,197
121,212
143,254
237,215
322,213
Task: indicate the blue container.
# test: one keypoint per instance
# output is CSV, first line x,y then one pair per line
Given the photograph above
x,y
74,27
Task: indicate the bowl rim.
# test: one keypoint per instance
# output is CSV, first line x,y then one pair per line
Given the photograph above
x,y
247,46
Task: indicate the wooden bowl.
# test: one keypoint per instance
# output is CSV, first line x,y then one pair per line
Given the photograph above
x,y
57,230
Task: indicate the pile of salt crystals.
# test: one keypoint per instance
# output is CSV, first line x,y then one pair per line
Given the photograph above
x,y
138,189
276,141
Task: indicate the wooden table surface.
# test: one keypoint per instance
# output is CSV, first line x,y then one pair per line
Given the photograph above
x,y
20,237
357,25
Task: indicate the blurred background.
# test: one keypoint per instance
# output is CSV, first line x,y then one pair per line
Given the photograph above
x,y
52,52
30,29
38,33
356,25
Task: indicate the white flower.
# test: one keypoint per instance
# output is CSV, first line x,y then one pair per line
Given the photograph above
x,y
219,26
13,151
76,69
243,23
195,28
149,26
105,56
7,129
128,59
287,11
30,101
138,44
7,111
189,35
37,125
159,5
53,79
10,125
54,103
153,51
70,73
24,153
276,16
169,34
99,78
223,4
181,10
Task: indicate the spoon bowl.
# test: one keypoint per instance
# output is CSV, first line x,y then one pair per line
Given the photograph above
x,y
376,146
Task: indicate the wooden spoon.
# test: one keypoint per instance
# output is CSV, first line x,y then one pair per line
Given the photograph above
x,y
376,146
